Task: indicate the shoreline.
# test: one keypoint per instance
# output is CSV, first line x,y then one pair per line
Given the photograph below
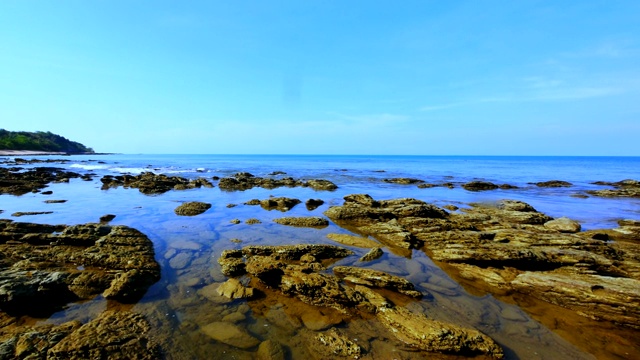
x,y
43,153
507,249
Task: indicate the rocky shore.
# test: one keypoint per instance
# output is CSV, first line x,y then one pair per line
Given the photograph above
x,y
510,247
324,293
45,267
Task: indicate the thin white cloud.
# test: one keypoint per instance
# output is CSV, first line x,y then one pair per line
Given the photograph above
x,y
382,118
537,89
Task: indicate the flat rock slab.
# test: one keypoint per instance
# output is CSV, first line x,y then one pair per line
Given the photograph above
x,y
185,245
308,221
113,335
357,241
230,334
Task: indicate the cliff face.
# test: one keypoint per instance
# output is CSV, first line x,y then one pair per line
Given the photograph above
x,y
40,141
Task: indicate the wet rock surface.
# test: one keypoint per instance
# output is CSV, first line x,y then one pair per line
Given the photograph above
x,y
554,183
313,204
403,181
16,181
307,221
244,181
298,272
509,247
45,267
479,186
379,219
192,208
624,188
283,204
149,183
112,335
65,263
30,213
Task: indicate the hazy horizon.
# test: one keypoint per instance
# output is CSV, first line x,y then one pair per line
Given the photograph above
x,y
431,78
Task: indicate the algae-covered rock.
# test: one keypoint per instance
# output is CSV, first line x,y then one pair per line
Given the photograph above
x,y
309,221
113,335
279,203
192,208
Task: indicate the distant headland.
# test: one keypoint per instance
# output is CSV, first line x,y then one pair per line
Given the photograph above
x,y
38,143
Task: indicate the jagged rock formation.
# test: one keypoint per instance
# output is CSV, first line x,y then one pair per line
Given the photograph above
x,y
510,247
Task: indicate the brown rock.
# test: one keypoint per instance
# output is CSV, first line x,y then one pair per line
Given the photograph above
x,y
373,254
418,331
564,225
279,203
374,278
607,298
192,208
113,335
337,344
479,186
310,221
270,350
233,289
313,204
230,334
403,181
554,183
351,240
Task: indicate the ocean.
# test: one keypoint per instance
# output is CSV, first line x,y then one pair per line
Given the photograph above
x,y
178,312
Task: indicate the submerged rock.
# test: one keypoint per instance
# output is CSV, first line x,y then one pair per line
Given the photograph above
x,y
30,213
270,350
230,334
338,345
233,289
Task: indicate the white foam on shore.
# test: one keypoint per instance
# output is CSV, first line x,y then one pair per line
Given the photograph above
x,y
88,167
125,170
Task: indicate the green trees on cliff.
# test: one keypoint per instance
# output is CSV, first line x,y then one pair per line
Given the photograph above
x,y
39,141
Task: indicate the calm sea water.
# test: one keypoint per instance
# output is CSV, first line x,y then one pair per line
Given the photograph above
x,y
364,174
177,310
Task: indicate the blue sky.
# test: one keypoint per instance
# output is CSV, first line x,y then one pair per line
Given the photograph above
x,y
326,77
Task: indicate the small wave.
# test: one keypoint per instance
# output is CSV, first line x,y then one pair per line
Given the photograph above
x,y
125,170
88,167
